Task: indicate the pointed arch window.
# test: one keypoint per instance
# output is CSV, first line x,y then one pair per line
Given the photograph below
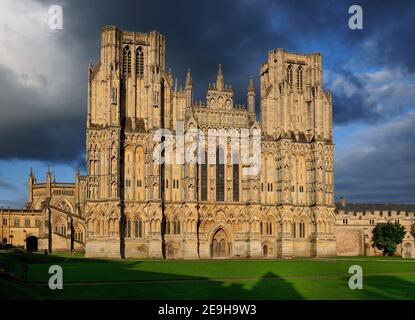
x,y
60,228
300,79
220,174
235,176
290,76
138,228
302,229
139,62
126,61
203,177
128,229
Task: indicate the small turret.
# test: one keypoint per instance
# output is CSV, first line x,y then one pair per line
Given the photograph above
x,y
220,83
30,183
189,81
251,96
189,90
49,182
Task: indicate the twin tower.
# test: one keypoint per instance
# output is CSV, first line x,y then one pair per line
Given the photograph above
x,y
138,207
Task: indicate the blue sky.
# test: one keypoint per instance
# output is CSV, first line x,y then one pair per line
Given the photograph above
x,y
371,73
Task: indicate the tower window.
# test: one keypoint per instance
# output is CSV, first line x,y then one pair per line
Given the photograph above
x,y
290,76
235,170
203,177
139,62
220,175
300,79
127,61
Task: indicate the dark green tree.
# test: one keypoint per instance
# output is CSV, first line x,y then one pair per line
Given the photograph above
x,y
387,235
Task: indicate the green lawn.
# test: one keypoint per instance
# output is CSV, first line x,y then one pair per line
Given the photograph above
x,y
384,278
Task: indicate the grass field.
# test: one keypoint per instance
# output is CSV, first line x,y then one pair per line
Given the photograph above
x,y
384,278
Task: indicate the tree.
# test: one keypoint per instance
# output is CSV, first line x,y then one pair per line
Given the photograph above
x,y
387,235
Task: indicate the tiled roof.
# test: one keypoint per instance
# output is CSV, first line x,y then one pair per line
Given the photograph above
x,y
360,207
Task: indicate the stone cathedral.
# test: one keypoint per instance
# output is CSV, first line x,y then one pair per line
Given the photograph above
x,y
212,200
136,207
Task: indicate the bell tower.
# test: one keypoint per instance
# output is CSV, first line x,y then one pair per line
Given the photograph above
x,y
125,96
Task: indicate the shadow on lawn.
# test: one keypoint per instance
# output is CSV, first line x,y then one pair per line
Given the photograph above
x,y
388,287
269,286
118,279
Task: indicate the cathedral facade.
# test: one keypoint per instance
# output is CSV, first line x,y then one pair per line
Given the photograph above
x,y
218,203
171,178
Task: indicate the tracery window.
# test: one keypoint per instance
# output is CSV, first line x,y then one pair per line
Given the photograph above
x,y
300,79
139,62
60,228
290,76
220,174
203,177
127,61
235,172
79,236
64,206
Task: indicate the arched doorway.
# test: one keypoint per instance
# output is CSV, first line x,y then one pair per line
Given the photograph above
x,y
31,243
220,246
265,251
407,250
170,251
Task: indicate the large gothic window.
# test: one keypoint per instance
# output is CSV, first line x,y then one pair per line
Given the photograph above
x,y
203,177
235,176
139,62
126,61
220,174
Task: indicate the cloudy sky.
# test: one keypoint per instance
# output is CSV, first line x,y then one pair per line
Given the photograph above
x,y
371,73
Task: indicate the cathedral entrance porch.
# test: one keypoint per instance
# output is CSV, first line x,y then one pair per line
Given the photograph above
x,y
220,245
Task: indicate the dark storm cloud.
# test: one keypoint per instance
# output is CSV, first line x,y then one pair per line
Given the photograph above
x,y
7,186
390,23
353,107
384,171
201,34
237,34
31,130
